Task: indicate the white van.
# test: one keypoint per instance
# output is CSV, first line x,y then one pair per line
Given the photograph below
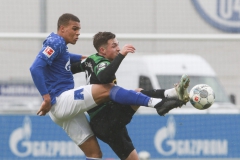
x,y
162,71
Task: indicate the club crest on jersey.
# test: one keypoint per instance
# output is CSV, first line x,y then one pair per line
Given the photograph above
x,y
68,66
102,65
48,51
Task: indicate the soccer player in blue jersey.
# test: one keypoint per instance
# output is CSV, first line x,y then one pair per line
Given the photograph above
x,y
51,73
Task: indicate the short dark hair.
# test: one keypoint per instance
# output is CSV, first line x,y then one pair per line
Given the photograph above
x,y
65,18
101,38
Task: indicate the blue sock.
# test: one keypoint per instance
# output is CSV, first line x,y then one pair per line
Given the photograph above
x,y
128,97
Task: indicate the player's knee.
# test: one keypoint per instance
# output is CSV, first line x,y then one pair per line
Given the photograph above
x,y
101,92
103,88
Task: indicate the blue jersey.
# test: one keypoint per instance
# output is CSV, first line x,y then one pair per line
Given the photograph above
x,y
51,70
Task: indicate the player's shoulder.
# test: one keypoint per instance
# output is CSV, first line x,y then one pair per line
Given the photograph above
x,y
53,46
54,40
97,58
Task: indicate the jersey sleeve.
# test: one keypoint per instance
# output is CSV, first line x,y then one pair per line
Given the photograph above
x,y
77,67
51,49
74,58
106,70
37,72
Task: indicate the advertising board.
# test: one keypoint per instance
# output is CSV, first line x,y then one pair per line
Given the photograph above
x,y
172,136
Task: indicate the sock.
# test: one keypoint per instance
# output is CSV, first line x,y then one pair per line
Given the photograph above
x,y
155,93
90,158
153,101
171,93
128,97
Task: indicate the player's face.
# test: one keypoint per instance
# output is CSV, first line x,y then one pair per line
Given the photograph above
x,y
112,49
71,32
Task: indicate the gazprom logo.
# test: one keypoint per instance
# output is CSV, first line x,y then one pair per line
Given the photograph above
x,y
22,146
222,14
167,145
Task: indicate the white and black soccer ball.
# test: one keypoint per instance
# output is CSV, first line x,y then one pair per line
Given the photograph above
x,y
202,96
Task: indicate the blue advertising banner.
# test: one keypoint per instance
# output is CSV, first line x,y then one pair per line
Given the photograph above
x,y
187,136
31,137
172,136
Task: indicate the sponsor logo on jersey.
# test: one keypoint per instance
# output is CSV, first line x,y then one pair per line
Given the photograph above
x,y
222,14
89,65
48,51
101,66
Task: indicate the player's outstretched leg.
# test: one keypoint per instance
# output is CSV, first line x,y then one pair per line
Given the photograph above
x,y
167,104
182,89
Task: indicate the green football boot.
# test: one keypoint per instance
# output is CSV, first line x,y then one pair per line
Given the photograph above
x,y
182,89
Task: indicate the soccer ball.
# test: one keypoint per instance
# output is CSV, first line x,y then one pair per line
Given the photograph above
x,y
202,96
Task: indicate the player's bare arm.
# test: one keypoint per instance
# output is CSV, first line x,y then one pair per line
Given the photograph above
x,y
83,57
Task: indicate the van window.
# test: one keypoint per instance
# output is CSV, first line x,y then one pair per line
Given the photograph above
x,y
145,83
168,81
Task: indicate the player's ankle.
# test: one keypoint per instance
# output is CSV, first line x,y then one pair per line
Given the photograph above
x,y
153,101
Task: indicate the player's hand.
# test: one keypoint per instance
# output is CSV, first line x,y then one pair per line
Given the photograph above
x,y
128,48
45,106
83,57
138,89
44,109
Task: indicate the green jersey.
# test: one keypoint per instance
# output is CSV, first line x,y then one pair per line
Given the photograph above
x,y
98,70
